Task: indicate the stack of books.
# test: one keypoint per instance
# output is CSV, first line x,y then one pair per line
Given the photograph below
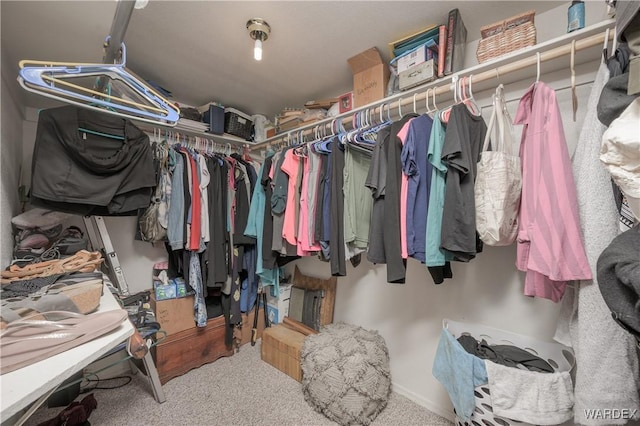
x,y
443,44
289,118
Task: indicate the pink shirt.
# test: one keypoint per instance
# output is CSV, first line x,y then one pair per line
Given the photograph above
x,y
404,189
290,167
549,245
304,244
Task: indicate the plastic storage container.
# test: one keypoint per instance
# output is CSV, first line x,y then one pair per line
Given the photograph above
x,y
238,123
560,357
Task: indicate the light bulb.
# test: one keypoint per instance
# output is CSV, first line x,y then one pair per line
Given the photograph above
x,y
257,50
141,4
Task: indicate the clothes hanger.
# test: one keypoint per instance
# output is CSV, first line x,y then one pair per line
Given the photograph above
x,y
445,113
470,101
537,67
605,52
433,99
427,107
52,80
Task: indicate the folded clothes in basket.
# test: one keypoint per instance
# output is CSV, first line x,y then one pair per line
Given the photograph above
x,y
530,397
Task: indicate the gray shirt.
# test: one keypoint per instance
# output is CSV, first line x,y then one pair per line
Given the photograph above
x,y
461,152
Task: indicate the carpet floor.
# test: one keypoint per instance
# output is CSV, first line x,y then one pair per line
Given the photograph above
x,y
238,390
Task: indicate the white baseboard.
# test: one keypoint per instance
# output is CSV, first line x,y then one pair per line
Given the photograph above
x,y
429,405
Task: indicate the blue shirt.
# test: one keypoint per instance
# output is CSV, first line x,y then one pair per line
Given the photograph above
x,y
417,167
255,227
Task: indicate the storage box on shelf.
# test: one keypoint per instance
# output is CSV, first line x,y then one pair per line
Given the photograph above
x,y
238,123
506,36
417,75
370,77
558,356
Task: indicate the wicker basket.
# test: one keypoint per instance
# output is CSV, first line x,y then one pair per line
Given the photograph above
x,y
560,357
238,123
506,36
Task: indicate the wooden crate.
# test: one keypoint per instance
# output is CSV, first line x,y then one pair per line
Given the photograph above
x,y
329,287
281,348
190,349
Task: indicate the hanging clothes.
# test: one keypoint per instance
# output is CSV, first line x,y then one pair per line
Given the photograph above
x,y
461,153
357,201
418,169
217,248
255,228
305,245
315,168
175,220
336,241
396,265
107,163
407,170
585,321
549,245
377,181
436,258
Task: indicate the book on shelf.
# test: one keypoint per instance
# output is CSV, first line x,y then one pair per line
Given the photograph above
x,y
456,42
323,103
442,48
398,47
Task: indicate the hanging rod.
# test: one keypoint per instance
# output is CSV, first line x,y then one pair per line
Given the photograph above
x,y
119,25
402,99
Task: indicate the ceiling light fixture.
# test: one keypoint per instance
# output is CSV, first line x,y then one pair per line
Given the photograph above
x,y
259,31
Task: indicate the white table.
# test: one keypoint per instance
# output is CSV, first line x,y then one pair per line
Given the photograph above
x,y
36,382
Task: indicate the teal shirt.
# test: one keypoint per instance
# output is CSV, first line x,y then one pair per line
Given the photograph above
x,y
434,255
255,227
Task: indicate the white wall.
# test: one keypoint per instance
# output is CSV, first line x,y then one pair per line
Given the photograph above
x,y
10,154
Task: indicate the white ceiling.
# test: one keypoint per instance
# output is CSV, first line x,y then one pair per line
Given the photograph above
x,y
201,50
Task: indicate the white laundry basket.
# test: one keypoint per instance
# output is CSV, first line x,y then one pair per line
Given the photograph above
x,y
560,357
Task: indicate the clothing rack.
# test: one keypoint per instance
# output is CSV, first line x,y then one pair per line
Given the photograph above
x,y
194,140
193,136
581,40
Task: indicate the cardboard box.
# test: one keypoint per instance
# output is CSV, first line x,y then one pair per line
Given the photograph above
x,y
417,75
370,77
281,348
278,306
174,315
411,59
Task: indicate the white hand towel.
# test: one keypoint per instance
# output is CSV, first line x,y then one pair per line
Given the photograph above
x,y
529,396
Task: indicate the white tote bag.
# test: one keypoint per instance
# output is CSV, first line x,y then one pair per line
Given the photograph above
x,y
498,183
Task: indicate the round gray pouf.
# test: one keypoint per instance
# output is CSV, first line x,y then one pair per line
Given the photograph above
x,y
345,373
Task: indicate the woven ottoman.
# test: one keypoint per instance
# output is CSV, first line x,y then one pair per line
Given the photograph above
x,y
345,373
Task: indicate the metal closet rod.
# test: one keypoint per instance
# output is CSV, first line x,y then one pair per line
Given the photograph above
x,y
496,72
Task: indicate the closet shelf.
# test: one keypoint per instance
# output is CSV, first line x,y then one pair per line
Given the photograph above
x,y
516,66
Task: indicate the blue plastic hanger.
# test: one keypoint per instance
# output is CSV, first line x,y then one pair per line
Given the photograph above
x,y
51,79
